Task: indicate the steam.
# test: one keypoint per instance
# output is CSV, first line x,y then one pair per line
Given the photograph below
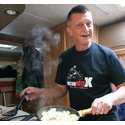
x,y
42,38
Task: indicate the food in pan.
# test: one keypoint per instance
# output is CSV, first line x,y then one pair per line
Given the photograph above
x,y
53,115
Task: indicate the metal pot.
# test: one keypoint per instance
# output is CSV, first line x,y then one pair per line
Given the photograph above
x,y
80,113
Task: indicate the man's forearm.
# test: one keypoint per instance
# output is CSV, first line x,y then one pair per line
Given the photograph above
x,y
118,97
56,92
106,102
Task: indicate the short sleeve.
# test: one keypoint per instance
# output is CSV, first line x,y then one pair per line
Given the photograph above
x,y
117,70
60,72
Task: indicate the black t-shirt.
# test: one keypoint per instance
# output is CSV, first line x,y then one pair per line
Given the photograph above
x,y
88,75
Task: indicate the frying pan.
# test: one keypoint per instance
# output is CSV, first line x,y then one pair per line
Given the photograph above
x,y
80,113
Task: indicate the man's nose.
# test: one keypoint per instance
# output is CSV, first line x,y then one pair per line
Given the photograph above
x,y
85,28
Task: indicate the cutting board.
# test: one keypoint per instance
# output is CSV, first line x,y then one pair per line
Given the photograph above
x,y
5,109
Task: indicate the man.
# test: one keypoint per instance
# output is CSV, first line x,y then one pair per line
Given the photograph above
x,y
86,71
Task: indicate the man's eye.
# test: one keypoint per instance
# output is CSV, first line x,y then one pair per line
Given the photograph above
x,y
88,24
79,25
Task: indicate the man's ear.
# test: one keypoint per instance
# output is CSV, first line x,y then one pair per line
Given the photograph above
x,y
69,31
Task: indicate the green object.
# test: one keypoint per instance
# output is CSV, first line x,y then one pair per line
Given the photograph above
x,y
20,67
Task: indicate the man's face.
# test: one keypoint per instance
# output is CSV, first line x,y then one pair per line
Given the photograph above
x,y
81,28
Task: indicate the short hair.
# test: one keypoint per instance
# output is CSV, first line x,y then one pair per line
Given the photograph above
x,y
77,9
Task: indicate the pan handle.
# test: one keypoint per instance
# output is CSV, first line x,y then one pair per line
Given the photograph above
x,y
85,111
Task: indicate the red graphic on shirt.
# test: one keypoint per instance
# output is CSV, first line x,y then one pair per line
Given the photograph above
x,y
80,83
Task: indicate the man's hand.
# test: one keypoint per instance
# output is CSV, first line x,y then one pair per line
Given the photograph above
x,y
32,93
102,105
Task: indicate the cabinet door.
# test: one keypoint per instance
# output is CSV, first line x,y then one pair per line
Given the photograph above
x,y
69,40
95,33
9,95
50,60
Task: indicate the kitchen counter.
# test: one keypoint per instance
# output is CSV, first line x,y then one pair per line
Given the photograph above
x,y
20,114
